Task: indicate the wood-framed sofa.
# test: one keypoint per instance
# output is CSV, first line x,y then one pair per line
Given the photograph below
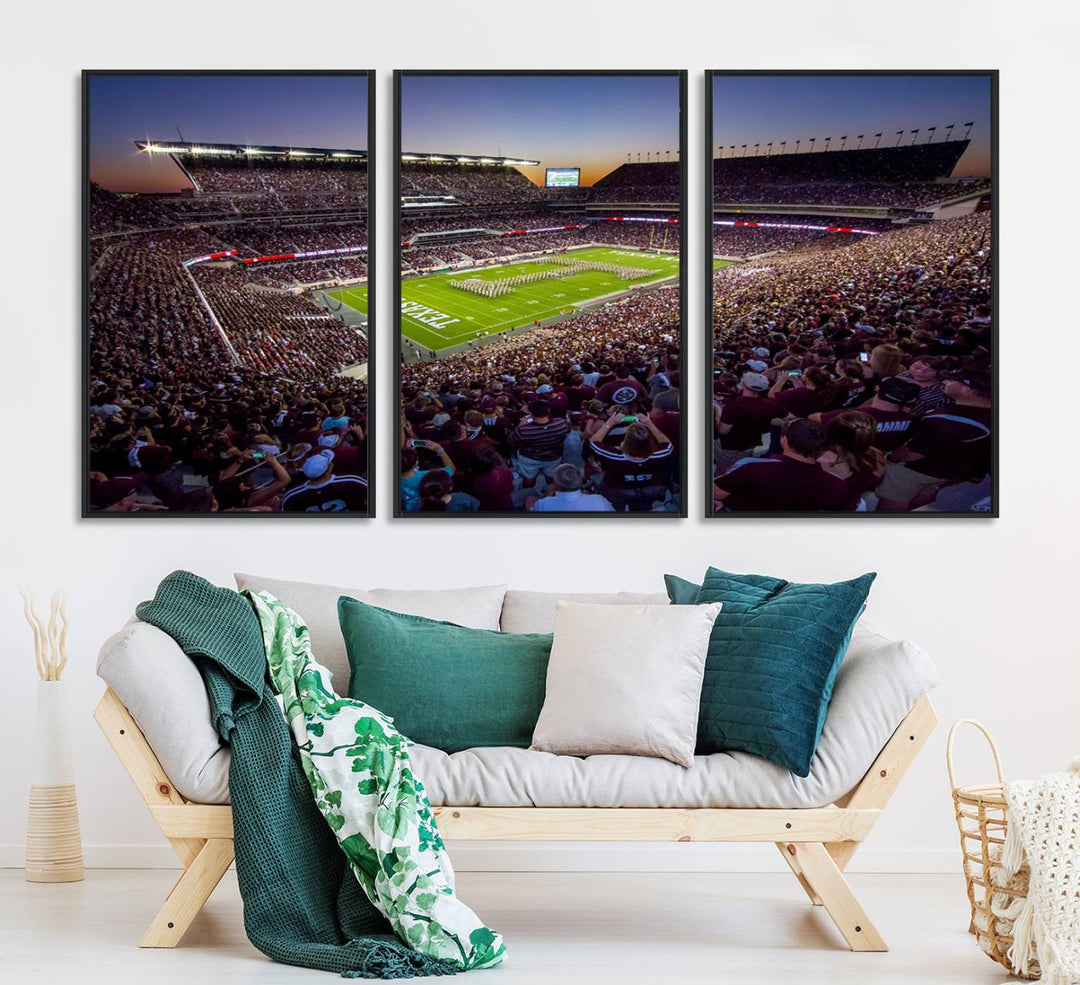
x,y
817,843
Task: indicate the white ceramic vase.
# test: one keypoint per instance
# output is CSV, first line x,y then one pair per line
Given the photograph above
x,y
53,844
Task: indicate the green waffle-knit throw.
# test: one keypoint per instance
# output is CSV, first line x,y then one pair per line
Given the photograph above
x,y
302,905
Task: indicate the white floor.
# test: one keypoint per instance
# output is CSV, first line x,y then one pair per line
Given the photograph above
x,y
559,927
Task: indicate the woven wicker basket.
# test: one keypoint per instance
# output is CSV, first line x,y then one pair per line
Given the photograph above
x,y
982,817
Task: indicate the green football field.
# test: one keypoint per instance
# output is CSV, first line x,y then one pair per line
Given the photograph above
x,y
720,264
437,315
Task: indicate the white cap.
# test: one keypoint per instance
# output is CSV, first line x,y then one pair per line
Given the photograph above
x,y
315,467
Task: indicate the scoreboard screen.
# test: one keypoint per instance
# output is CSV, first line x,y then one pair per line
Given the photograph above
x,y
563,177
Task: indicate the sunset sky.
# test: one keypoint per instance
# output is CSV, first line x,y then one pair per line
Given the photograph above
x,y
587,122
754,109
311,111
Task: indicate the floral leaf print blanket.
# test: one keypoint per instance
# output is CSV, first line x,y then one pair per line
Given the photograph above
x,y
305,902
358,767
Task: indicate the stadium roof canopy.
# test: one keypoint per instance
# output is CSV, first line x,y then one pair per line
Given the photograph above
x,y
184,148
508,162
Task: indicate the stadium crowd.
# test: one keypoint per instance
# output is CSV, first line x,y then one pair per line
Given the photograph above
x,y
582,416
916,194
857,377
181,422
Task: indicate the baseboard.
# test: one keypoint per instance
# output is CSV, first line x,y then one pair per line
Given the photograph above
x,y
478,856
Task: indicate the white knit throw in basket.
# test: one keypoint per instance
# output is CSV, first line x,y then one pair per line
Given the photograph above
x,y
1044,837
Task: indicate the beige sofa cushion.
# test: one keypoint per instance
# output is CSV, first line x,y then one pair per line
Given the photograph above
x,y
877,684
164,692
476,608
534,612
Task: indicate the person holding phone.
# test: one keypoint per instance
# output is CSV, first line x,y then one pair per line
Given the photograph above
x,y
633,475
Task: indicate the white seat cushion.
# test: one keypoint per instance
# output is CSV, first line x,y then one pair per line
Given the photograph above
x,y
164,692
878,683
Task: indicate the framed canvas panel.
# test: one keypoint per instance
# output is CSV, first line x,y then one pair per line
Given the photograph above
x,y
539,319
228,293
851,255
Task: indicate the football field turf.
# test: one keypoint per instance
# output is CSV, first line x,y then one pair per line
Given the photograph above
x,y
436,315
720,264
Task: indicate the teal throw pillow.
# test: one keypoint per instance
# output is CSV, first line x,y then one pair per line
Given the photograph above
x,y
445,685
774,652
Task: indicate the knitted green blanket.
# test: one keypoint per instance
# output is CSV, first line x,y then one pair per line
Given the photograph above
x,y
302,905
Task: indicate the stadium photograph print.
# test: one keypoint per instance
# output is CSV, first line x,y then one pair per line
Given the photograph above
x,y
539,336
852,362
227,299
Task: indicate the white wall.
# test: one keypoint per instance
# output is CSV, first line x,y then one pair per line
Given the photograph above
x,y
994,601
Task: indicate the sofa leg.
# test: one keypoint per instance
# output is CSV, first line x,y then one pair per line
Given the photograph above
x,y
821,872
189,894
788,852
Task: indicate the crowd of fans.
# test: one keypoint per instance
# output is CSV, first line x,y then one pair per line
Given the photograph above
x,y
749,241
857,377
470,183
581,416
907,195
182,420
272,176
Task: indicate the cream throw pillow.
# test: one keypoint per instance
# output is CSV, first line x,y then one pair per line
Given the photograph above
x,y
625,680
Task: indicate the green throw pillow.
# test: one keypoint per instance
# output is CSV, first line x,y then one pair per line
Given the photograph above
x,y
774,652
681,591
444,685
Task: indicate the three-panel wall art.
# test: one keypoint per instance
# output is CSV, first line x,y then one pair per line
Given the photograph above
x,y
544,349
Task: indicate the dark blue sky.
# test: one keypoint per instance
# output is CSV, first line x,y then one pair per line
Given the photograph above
x,y
756,109
311,110
591,122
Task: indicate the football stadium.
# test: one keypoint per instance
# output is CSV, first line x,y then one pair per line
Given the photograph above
x,y
540,337
224,374
852,360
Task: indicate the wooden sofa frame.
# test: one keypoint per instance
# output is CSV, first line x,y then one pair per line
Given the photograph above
x,y
816,843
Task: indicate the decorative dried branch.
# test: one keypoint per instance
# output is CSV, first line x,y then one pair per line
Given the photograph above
x,y
54,632
63,637
31,617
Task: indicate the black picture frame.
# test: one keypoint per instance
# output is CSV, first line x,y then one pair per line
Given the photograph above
x,y
393,437
87,76
707,373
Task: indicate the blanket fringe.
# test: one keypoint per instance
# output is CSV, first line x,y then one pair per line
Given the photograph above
x,y
396,961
